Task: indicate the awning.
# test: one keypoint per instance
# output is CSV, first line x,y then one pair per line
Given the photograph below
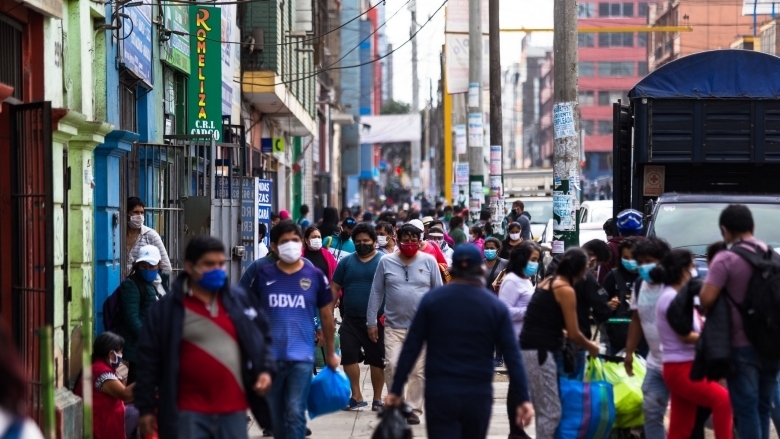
x,y
264,89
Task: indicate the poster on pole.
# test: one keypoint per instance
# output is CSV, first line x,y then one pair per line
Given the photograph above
x,y
460,139
563,120
495,159
457,52
462,174
475,130
458,16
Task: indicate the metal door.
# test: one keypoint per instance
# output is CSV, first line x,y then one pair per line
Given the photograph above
x,y
33,237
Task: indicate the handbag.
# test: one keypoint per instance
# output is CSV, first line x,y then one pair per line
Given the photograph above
x,y
500,278
587,407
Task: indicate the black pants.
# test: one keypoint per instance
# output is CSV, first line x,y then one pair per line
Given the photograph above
x,y
458,416
132,372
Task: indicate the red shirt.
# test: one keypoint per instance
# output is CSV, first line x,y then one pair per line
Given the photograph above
x,y
210,369
108,413
434,250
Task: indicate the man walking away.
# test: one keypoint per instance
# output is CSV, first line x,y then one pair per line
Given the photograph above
x,y
289,292
524,220
752,386
204,354
303,221
401,280
354,276
460,323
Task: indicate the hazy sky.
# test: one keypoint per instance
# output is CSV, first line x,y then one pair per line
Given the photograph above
x,y
514,14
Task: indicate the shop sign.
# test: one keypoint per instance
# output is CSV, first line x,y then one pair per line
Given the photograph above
x,y
205,85
177,51
137,44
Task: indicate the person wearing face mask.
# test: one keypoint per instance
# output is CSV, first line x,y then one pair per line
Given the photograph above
x,y
289,293
618,284
385,238
401,280
316,254
628,223
495,265
476,237
113,415
523,218
427,247
512,240
204,355
341,245
551,310
447,238
515,292
436,236
138,235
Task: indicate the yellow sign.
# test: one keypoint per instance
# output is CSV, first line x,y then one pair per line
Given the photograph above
x,y
278,145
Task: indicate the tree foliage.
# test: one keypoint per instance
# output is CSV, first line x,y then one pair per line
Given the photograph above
x,y
395,107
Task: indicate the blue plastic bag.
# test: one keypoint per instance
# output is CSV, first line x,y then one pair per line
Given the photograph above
x,y
329,392
588,408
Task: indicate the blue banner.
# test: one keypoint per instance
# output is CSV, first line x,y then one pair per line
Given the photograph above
x,y
248,221
264,202
137,46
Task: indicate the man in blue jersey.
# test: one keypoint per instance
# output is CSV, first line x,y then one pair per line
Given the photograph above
x,y
289,292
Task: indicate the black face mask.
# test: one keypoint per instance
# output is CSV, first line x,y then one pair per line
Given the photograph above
x,y
364,249
344,235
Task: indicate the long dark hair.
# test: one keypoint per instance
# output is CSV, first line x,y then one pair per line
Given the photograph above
x,y
105,343
330,222
13,382
573,263
673,267
518,258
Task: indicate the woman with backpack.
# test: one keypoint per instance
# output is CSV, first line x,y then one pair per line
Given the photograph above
x,y
137,293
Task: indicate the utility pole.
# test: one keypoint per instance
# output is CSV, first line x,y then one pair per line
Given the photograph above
x,y
415,146
496,122
475,124
566,147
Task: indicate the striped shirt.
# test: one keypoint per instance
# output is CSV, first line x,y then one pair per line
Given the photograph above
x,y
149,236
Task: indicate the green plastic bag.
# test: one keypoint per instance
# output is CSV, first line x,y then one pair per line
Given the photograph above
x,y
319,352
627,392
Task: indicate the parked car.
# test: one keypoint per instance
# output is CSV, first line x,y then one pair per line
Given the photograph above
x,y
593,215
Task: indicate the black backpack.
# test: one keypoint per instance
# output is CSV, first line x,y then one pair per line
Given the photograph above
x,y
113,317
761,308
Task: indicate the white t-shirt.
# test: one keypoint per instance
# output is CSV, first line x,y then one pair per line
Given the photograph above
x,y
29,429
648,300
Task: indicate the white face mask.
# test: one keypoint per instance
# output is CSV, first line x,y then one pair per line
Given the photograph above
x,y
290,252
381,240
136,221
315,243
514,236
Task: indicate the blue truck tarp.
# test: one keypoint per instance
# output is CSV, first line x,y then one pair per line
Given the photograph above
x,y
715,74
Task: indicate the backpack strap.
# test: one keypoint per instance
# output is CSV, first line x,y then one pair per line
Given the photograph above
x,y
140,283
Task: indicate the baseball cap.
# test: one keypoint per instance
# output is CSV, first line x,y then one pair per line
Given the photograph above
x,y
465,256
427,220
284,215
349,222
418,224
436,232
149,254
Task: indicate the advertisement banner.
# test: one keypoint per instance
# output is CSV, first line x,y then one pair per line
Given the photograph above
x,y
137,47
460,139
176,51
458,16
462,174
249,220
229,33
457,53
265,190
205,87
476,130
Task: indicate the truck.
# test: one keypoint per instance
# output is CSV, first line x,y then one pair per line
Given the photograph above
x,y
697,134
534,188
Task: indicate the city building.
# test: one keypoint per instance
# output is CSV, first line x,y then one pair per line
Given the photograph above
x,y
527,153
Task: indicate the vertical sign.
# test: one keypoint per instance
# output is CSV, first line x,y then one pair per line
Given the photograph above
x,y
462,174
460,139
249,195
475,130
137,47
177,52
264,202
205,115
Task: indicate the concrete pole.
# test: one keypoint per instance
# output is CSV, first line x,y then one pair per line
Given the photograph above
x,y
415,146
566,126
496,122
474,102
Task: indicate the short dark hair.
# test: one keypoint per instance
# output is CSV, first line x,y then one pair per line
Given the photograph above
x,y
456,221
494,241
304,209
274,216
653,247
715,248
484,215
262,230
309,231
387,217
518,258
477,230
514,225
408,230
284,227
629,242
447,208
572,264
437,221
610,228
599,249
737,218
387,227
105,343
200,245
670,270
413,214
134,202
519,204
364,228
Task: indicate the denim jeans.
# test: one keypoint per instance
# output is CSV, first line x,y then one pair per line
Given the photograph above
x,y
776,406
194,425
289,394
752,389
654,403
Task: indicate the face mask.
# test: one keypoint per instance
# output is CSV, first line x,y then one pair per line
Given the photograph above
x,y
381,240
148,275
471,239
344,235
491,254
136,221
531,268
364,249
514,236
644,271
290,252
409,249
629,264
448,217
213,280
315,243
115,363
694,272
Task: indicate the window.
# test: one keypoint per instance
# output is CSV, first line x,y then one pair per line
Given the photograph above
x,y
605,127
616,39
585,40
586,98
11,48
768,40
642,68
586,69
616,69
586,10
641,39
603,9
608,97
587,126
616,9
628,9
642,9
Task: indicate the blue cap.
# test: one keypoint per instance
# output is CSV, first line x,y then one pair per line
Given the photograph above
x,y
629,222
465,256
349,222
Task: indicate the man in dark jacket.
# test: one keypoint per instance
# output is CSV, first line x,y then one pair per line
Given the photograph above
x,y
205,348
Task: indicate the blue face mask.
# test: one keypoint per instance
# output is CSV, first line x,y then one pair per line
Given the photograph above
x,y
491,254
644,271
213,280
629,264
148,275
531,268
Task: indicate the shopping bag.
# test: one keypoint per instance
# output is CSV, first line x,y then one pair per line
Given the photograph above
x,y
393,424
329,393
627,391
588,407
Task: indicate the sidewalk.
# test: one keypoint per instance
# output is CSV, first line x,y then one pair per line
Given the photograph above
x,y
360,424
